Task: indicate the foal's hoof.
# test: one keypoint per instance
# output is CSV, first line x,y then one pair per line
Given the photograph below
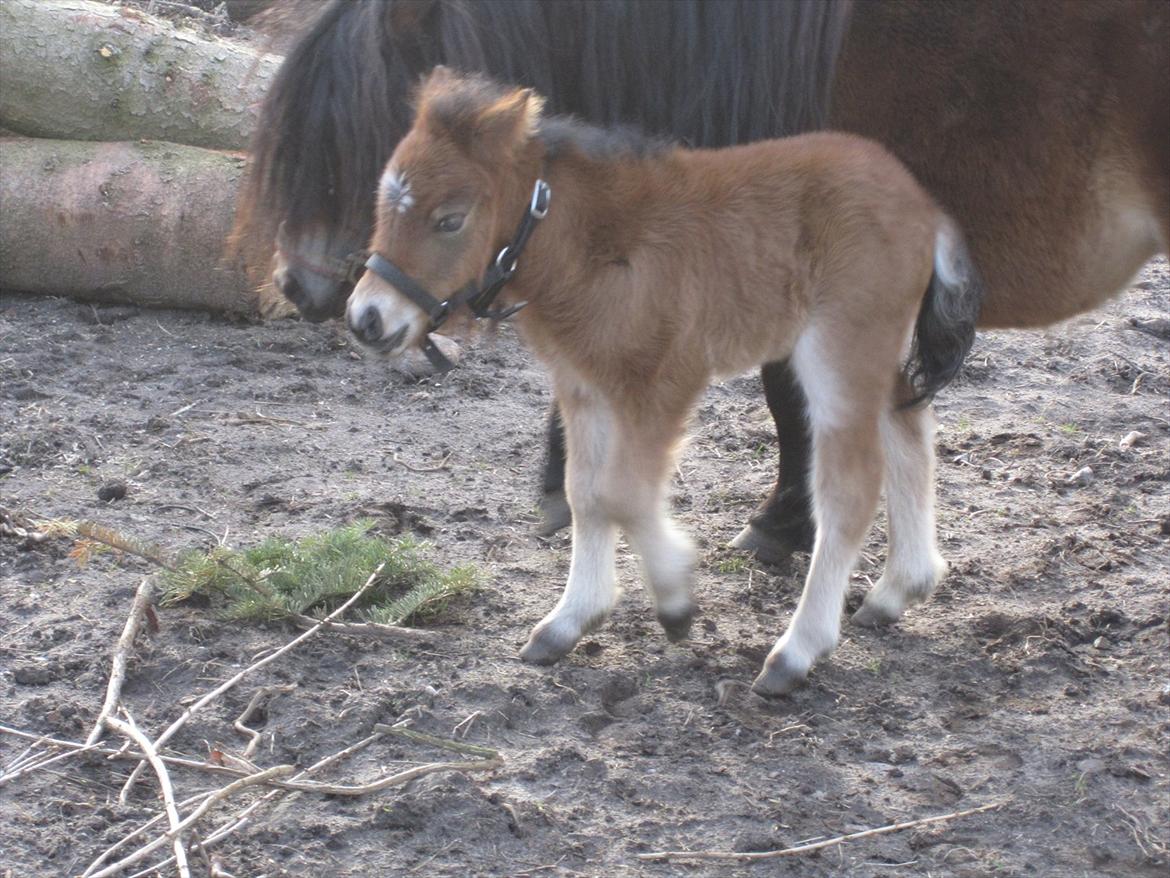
x,y
773,547
678,625
779,677
554,513
544,648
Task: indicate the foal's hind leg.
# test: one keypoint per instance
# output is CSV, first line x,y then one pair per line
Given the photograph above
x,y
844,411
913,565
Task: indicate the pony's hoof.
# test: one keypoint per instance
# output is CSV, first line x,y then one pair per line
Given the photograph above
x,y
677,625
874,616
554,513
544,648
779,677
772,548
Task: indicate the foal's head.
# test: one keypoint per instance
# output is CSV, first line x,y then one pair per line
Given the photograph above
x,y
447,202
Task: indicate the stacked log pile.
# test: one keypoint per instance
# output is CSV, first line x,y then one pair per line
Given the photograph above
x,y
122,155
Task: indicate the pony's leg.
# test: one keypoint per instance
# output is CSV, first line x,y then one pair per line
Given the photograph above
x,y
591,590
554,508
913,566
618,475
783,523
844,413
668,557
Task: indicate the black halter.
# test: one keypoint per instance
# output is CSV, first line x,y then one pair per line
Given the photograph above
x,y
477,295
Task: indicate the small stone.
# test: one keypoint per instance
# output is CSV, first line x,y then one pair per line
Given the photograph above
x,y
1082,477
1101,643
1164,695
1132,438
111,491
33,675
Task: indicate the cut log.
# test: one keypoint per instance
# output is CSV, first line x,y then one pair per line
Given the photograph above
x,y
80,70
133,222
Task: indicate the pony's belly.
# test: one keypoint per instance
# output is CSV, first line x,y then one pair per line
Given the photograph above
x,y
1110,253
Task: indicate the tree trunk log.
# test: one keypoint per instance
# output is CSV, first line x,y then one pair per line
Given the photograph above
x,y
80,70
137,222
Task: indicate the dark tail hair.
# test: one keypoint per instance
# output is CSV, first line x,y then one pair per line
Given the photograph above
x,y
946,321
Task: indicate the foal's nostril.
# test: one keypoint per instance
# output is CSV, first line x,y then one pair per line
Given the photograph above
x,y
368,326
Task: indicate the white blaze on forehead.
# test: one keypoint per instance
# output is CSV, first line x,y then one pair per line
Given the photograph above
x,y
396,191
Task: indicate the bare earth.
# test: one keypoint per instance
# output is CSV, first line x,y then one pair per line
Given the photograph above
x,y
1037,676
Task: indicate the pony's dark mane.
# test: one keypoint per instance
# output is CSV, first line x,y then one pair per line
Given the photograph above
x,y
562,133
339,104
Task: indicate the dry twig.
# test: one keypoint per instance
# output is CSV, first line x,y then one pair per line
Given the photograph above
x,y
255,666
121,656
131,731
814,846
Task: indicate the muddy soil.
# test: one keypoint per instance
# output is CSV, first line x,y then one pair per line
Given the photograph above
x,y
1037,676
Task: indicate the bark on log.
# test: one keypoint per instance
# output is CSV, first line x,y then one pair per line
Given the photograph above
x,y
133,222
80,70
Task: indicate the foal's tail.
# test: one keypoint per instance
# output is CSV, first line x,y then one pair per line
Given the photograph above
x,y
946,321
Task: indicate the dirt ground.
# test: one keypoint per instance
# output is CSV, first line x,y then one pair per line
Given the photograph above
x,y
1037,676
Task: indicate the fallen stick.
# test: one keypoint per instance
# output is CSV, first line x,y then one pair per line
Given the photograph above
x,y
434,740
255,666
814,846
187,822
131,731
374,629
121,656
253,735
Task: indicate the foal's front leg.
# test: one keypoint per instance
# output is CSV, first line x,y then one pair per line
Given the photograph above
x,y
591,590
618,477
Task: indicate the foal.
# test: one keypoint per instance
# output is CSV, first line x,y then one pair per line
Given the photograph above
x,y
658,268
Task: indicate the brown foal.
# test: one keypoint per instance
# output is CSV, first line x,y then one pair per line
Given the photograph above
x,y
658,268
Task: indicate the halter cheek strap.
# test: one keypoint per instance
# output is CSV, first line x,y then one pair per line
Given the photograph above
x,y
478,296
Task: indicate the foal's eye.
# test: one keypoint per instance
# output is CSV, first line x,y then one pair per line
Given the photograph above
x,y
452,222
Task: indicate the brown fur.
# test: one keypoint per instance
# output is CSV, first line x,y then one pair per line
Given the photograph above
x,y
654,273
1043,127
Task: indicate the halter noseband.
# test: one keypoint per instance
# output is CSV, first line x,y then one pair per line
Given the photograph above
x,y
477,295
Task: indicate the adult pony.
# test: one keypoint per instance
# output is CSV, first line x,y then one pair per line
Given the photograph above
x,y
1042,127
821,248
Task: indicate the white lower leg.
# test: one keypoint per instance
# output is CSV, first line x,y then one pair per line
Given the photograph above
x,y
591,591
668,559
816,624
914,565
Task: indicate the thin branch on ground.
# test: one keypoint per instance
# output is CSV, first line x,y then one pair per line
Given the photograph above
x,y
255,666
814,846
149,750
435,741
374,629
176,831
255,736
121,656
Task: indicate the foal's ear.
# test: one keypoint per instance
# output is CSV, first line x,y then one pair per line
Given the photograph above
x,y
511,120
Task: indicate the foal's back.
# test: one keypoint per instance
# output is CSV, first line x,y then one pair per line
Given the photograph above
x,y
756,240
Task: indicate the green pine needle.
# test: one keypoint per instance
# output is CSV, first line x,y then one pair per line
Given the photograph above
x,y
281,578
